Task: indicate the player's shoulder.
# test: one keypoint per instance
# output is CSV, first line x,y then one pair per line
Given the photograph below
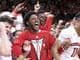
x,y
66,33
68,30
44,32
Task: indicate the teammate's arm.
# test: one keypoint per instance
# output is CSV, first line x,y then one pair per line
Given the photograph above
x,y
54,50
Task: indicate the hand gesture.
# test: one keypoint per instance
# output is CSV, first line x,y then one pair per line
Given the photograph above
x,y
19,7
66,44
26,47
37,7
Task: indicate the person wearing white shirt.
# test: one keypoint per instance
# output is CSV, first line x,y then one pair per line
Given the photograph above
x,y
70,40
5,44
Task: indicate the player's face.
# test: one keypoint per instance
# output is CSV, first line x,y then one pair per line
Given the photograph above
x,y
77,24
17,34
7,26
34,22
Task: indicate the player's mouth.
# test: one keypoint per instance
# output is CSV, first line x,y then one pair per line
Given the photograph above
x,y
36,26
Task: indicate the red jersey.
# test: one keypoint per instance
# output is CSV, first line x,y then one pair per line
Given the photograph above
x,y
44,39
48,24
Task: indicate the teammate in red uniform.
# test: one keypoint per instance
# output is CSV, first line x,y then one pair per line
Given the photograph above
x,y
46,21
33,44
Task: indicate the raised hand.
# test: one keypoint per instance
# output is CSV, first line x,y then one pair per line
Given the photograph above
x,y
19,7
37,7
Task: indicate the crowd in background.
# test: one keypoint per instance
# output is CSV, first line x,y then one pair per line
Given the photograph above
x,y
58,7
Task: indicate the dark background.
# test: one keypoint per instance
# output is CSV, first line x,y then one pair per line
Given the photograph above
x,y
58,7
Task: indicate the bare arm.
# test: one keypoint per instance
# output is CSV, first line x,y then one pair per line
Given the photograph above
x,y
54,50
5,44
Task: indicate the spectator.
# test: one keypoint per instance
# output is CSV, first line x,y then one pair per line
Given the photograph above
x,y
41,42
70,38
5,44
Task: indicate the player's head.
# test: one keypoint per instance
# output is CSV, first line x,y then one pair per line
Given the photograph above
x,y
6,18
16,34
6,22
31,20
77,20
42,19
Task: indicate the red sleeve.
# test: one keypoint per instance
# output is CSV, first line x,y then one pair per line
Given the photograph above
x,y
14,13
51,40
48,23
17,45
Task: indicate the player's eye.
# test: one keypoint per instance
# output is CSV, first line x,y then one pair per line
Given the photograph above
x,y
7,26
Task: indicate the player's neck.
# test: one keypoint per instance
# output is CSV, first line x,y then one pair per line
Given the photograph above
x,y
34,31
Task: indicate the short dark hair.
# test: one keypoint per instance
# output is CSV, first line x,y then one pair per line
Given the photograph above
x,y
27,17
14,33
77,16
6,19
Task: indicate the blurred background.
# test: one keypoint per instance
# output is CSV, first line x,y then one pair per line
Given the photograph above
x,y
60,8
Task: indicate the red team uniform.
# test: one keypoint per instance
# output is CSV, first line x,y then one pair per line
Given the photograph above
x,y
41,44
48,24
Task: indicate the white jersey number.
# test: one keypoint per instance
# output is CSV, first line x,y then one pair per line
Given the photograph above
x,y
75,51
